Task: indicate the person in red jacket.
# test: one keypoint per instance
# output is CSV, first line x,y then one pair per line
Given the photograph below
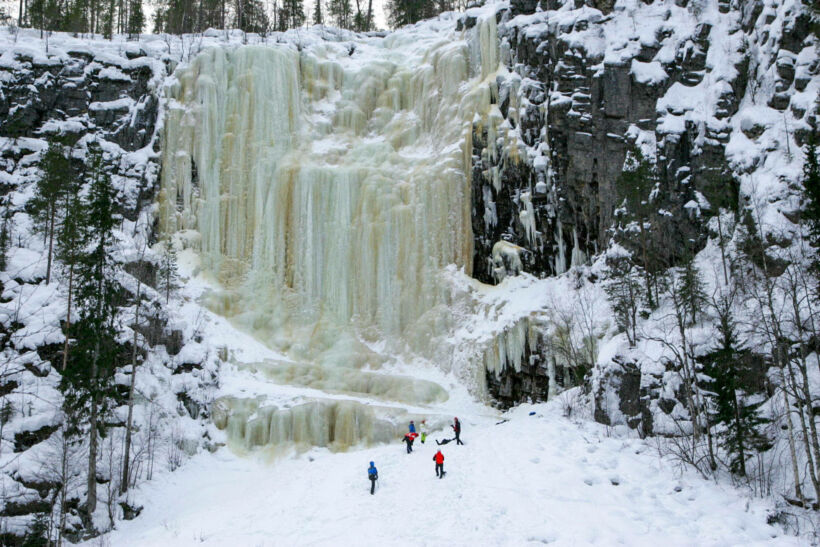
x,y
439,459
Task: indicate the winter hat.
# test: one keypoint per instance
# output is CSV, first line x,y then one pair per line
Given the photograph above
x,y
371,464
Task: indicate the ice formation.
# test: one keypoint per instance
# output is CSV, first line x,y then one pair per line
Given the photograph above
x,y
328,186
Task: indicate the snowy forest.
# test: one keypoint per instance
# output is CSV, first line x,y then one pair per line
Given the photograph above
x,y
247,246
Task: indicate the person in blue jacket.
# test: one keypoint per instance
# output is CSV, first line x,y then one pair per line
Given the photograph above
x,y
373,475
412,427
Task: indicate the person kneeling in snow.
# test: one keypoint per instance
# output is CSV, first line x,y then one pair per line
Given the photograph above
x,y
373,475
439,459
408,438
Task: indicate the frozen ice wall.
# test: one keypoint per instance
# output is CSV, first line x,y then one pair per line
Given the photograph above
x,y
329,185
326,187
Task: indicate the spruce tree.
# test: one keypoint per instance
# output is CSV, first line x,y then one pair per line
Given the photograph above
x,y
741,433
53,183
624,294
811,188
88,379
691,292
136,19
167,273
341,13
318,16
634,186
293,13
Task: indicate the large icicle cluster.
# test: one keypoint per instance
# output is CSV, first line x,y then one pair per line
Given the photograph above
x,y
324,187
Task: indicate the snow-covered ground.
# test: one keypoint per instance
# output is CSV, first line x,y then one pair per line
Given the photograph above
x,y
533,479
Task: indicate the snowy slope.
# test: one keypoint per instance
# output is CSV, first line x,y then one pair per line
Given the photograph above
x,y
531,480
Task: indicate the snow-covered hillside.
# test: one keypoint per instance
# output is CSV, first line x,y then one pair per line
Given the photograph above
x,y
376,228
527,480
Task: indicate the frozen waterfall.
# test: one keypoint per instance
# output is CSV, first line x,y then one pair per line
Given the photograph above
x,y
325,186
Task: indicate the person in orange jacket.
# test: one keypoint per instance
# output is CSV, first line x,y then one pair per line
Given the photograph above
x,y
439,459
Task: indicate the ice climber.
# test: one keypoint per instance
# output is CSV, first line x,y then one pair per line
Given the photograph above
x,y
408,438
412,427
373,475
423,430
457,428
439,459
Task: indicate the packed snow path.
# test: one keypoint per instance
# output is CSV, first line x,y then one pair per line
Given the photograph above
x,y
531,480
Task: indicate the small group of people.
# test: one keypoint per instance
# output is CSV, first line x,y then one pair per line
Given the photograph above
x,y
409,438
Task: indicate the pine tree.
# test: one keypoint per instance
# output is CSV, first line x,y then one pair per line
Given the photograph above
x,y
318,16
167,273
741,434
53,183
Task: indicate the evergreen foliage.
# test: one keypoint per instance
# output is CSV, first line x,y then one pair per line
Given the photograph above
x,y
635,186
292,13
136,19
168,275
53,184
341,13
87,381
37,533
811,188
409,12
318,15
623,289
741,432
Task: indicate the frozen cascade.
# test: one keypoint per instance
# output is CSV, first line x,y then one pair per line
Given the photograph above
x,y
325,188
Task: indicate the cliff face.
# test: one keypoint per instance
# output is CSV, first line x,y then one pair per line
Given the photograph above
x,y
586,84
719,94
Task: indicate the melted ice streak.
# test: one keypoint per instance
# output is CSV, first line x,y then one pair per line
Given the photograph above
x,y
327,189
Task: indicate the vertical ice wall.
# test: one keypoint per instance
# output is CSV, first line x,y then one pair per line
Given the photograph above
x,y
330,185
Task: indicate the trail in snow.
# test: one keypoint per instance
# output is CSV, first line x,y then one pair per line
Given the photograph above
x,y
531,480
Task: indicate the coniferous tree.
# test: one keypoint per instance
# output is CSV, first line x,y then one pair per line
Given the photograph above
x,y
53,183
250,16
318,16
811,187
741,434
136,19
635,185
624,294
292,13
691,292
37,532
341,13
167,272
70,249
87,381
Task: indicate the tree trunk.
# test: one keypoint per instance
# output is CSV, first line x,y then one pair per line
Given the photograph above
x,y
127,450
798,490
91,500
739,433
650,300
50,243
68,315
